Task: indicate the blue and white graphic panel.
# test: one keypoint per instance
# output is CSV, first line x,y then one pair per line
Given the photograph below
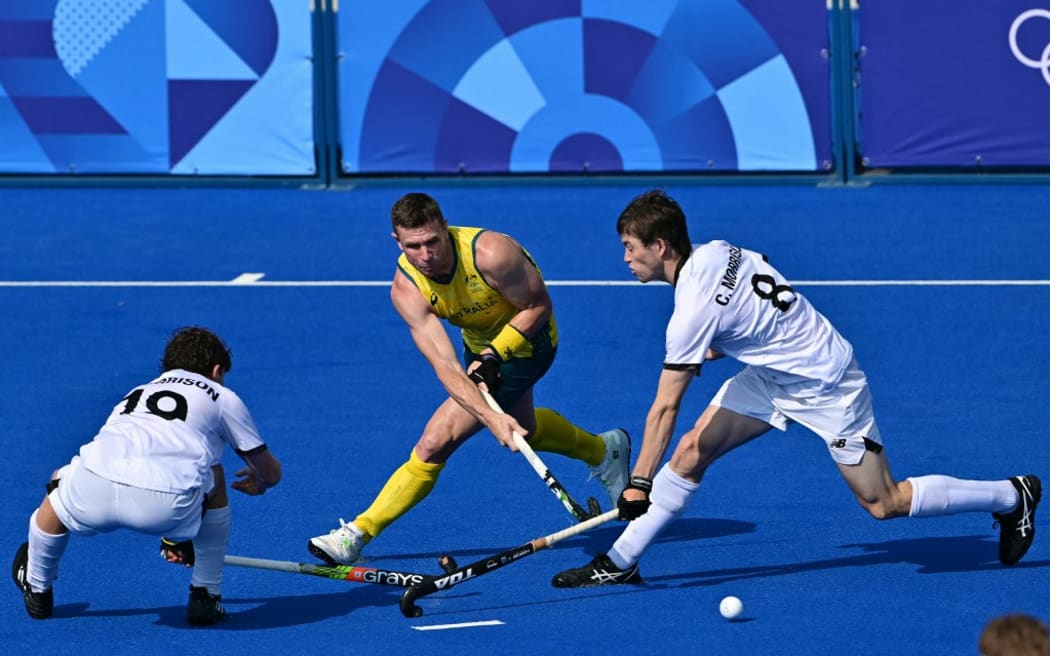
x,y
494,86
954,83
156,86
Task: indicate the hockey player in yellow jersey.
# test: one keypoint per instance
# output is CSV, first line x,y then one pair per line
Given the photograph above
x,y
486,284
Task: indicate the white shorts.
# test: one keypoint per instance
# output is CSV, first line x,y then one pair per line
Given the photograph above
x,y
87,503
841,415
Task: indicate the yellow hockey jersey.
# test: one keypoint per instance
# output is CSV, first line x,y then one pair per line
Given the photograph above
x,y
466,300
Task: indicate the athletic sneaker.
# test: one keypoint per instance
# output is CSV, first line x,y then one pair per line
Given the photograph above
x,y
39,605
205,608
614,470
342,546
1017,527
600,571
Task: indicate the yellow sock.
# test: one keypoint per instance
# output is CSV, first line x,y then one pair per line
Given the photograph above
x,y
556,434
404,489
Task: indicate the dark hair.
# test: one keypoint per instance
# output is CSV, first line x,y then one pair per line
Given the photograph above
x,y
1014,634
415,210
655,215
196,349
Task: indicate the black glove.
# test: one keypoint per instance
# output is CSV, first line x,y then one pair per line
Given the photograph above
x,y
488,372
633,509
183,550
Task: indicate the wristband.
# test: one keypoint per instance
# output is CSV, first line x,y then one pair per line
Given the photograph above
x,y
641,483
508,341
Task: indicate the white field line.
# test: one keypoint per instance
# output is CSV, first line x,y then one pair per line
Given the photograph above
x,y
461,625
256,280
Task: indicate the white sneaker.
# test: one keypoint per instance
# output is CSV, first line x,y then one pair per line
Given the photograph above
x,y
614,471
342,546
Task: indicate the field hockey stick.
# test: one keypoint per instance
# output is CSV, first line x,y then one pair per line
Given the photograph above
x,y
456,575
574,508
336,572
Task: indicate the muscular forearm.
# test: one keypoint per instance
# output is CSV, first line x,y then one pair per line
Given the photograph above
x,y
659,427
464,391
531,319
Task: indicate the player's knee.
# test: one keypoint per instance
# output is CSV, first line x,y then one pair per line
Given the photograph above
x,y
431,451
435,447
877,510
882,508
693,456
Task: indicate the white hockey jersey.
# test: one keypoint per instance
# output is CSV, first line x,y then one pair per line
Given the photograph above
x,y
731,300
167,434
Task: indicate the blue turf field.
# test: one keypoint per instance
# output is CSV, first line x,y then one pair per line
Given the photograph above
x,y
340,393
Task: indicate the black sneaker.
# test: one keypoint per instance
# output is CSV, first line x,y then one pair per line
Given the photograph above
x,y
205,608
39,605
1017,527
600,571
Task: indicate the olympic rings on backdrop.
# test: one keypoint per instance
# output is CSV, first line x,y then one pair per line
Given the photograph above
x,y
1043,63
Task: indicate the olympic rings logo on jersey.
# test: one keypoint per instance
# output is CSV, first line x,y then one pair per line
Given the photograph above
x,y
1043,63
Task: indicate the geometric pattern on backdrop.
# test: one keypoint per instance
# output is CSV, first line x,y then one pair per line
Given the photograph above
x,y
571,86
135,86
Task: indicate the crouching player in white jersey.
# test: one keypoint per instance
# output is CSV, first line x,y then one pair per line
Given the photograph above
x,y
798,368
154,467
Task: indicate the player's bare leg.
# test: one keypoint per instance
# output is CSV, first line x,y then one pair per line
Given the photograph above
x,y
447,430
717,432
873,485
1012,502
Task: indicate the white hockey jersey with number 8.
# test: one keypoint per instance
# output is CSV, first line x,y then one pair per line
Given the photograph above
x,y
733,301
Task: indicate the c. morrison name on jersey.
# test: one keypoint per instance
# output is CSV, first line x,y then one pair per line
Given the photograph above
x,y
729,278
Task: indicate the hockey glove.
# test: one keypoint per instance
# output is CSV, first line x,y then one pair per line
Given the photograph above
x,y
635,508
488,372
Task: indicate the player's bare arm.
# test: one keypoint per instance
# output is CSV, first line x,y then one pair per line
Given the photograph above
x,y
660,422
432,340
506,268
263,471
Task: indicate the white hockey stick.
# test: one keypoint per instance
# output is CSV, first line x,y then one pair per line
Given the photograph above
x,y
575,509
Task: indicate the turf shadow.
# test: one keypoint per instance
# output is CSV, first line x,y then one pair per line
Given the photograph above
x,y
969,553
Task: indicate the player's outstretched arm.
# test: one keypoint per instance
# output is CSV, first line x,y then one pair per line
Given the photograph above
x,y
660,422
433,342
263,471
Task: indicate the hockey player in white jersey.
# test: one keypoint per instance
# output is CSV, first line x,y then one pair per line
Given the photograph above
x,y
729,301
155,467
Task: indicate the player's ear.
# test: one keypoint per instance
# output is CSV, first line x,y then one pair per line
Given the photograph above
x,y
217,373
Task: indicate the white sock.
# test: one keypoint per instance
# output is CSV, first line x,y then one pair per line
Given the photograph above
x,y
45,550
933,496
209,548
670,496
